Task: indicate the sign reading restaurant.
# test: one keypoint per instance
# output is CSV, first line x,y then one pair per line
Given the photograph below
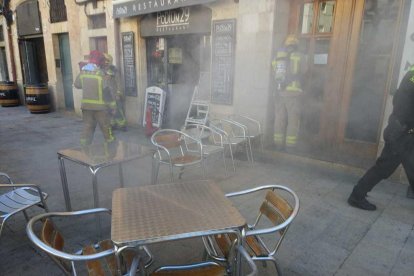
x,y
125,8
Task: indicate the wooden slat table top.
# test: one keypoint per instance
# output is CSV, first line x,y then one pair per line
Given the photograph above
x,y
163,212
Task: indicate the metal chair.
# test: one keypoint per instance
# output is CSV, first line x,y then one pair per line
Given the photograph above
x,y
100,258
261,242
235,135
211,139
18,198
176,149
253,127
209,268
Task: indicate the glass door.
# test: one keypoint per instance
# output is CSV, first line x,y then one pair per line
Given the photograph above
x,y
315,30
174,64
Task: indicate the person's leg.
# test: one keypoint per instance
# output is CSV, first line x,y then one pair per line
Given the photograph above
x,y
293,111
385,165
280,123
408,164
104,122
89,125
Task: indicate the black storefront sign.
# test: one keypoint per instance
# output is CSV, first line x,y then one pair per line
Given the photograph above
x,y
128,51
124,8
186,20
224,38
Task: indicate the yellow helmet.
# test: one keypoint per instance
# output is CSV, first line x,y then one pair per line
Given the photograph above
x,y
108,59
291,40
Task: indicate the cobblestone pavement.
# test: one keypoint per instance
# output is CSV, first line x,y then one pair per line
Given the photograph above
x,y
328,237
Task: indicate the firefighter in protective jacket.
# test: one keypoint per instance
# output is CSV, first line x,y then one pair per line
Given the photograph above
x,y
118,120
97,99
287,72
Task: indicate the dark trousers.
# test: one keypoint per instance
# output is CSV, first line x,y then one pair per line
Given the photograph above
x,y
384,167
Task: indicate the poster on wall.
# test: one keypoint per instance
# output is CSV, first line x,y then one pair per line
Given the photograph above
x,y
128,55
224,38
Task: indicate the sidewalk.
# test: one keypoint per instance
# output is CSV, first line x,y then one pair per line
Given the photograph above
x,y
328,237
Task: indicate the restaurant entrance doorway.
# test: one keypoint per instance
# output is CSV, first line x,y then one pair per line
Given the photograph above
x,y
174,64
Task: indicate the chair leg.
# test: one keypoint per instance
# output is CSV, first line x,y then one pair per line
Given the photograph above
x,y
279,273
155,169
224,161
203,167
25,215
232,159
250,149
172,174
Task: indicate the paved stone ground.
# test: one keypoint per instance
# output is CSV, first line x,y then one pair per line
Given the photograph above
x,y
328,237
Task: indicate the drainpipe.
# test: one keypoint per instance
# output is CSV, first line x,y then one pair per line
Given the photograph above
x,y
8,15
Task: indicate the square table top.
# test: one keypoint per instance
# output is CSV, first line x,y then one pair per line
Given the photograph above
x,y
105,154
162,212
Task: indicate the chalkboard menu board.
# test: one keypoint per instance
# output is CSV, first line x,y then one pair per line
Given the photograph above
x,y
155,99
224,37
128,50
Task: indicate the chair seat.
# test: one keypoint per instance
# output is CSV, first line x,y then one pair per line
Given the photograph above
x,y
19,199
210,149
200,271
185,159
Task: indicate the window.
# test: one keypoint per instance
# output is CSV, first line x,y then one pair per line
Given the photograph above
x,y
57,11
1,33
96,21
317,17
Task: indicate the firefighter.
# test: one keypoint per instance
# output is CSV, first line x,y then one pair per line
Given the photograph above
x,y
287,72
398,148
118,120
97,99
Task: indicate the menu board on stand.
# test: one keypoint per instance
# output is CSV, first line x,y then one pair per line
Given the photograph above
x,y
155,100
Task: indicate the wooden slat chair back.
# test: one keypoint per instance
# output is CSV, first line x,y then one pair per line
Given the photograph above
x,y
99,258
277,210
105,266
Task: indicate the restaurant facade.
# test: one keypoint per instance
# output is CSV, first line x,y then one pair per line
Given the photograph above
x,y
355,53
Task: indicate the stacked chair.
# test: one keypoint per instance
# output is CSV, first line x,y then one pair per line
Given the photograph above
x,y
18,198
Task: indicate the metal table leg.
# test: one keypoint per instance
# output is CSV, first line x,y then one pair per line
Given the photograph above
x,y
64,183
96,199
121,175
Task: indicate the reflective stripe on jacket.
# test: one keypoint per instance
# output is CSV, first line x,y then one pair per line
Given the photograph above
x,y
96,92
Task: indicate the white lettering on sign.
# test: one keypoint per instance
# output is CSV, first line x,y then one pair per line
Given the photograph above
x,y
135,7
31,99
121,10
178,19
224,28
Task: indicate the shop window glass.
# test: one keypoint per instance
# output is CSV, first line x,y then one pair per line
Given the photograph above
x,y
307,15
371,70
326,15
156,67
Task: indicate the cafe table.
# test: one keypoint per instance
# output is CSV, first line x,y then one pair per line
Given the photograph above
x,y
166,212
96,157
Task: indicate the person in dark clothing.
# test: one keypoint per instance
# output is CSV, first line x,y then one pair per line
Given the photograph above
x,y
398,149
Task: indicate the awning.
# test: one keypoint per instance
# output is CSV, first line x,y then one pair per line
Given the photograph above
x,y
126,8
